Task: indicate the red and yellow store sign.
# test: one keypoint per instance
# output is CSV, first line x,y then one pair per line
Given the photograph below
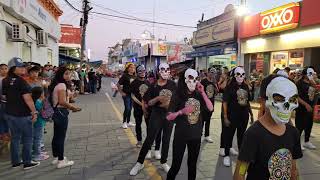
x,y
280,19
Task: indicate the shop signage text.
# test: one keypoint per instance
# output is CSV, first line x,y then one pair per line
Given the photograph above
x,y
280,19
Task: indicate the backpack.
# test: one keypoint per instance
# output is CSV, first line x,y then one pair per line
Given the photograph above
x,y
47,110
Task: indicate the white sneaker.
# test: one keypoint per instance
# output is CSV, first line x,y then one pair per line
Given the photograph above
x,y
309,145
55,161
208,139
302,148
234,152
148,156
131,124
157,155
227,161
165,167
64,163
124,125
136,169
222,152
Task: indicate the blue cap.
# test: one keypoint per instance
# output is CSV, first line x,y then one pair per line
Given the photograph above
x,y
17,62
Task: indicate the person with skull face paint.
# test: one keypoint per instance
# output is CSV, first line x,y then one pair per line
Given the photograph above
x,y
138,88
124,88
158,97
271,146
210,86
187,110
304,113
236,110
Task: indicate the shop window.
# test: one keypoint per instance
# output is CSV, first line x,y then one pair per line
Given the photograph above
x,y
293,59
50,56
296,59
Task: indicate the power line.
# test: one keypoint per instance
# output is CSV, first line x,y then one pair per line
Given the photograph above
x,y
131,18
115,11
143,20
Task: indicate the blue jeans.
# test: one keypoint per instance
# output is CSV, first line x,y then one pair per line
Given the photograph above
x,y
60,126
127,101
4,129
37,138
93,87
20,128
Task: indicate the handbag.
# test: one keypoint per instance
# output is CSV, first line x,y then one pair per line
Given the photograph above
x,y
47,111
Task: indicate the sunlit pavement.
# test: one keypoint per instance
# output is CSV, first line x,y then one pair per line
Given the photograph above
x,y
101,149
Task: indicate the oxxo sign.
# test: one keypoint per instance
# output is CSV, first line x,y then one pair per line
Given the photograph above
x,y
280,19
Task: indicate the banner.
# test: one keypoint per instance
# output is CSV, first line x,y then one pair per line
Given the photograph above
x,y
143,51
158,49
177,52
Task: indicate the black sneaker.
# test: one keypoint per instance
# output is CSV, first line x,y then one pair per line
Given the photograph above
x,y
16,165
31,165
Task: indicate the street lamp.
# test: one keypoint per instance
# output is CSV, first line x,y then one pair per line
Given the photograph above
x,y
242,10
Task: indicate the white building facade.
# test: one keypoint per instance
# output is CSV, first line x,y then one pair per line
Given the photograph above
x,y
29,29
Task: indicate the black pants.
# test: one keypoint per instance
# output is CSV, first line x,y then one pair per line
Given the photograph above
x,y
223,130
60,126
304,122
179,146
239,124
127,102
138,116
158,138
157,121
206,122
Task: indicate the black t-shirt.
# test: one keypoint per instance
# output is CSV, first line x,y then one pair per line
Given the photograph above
x,y
167,90
92,76
270,156
237,98
306,92
14,88
189,126
209,88
125,81
139,88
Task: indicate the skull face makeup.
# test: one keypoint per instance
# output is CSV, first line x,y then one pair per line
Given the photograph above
x,y
239,74
164,71
310,73
282,99
191,79
141,71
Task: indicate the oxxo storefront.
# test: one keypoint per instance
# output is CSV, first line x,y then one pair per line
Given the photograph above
x,y
215,41
286,36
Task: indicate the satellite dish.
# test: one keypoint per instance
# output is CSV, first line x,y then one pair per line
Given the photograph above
x,y
229,8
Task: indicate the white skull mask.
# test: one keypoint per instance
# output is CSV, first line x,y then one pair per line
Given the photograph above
x,y
282,99
191,79
239,74
310,73
164,71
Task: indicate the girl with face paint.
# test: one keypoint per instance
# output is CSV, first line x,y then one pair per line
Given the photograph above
x,y
236,110
158,97
271,146
186,110
304,113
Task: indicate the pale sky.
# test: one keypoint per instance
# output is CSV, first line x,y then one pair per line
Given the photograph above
x,y
103,32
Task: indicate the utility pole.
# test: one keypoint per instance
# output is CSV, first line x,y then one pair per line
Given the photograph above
x,y
84,22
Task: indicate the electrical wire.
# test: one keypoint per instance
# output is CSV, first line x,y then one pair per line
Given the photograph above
x,y
115,11
131,18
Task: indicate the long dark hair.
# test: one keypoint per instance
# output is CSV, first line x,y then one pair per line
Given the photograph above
x,y
58,78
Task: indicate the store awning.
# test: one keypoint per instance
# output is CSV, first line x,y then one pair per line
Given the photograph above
x,y
64,59
214,51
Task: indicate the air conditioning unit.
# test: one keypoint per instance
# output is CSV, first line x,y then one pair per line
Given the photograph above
x,y
18,32
42,38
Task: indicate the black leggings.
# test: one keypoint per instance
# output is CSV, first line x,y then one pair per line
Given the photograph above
x,y
239,123
179,146
158,121
138,115
206,122
60,126
304,122
223,130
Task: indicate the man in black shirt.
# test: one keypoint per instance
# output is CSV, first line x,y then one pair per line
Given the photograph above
x,y
304,113
93,80
139,87
210,87
21,113
271,146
